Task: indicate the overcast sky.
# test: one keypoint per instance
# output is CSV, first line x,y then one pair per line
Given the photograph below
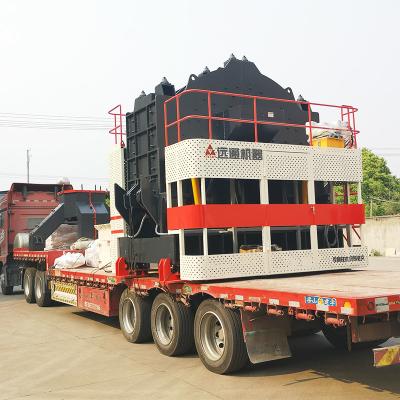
x,y
80,58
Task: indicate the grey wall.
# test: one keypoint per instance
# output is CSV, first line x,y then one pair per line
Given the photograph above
x,y
382,234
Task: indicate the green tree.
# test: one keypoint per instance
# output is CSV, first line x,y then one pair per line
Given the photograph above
x,y
380,187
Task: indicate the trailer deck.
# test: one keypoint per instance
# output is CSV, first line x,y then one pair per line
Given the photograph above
x,y
352,293
345,283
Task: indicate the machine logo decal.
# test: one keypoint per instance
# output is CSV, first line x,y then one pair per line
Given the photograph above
x,y
234,153
325,301
210,152
348,259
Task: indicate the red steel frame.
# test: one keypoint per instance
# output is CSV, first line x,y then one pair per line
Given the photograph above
x,y
246,215
118,129
209,216
345,111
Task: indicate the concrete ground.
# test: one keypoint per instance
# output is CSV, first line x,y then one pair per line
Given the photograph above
x,y
63,353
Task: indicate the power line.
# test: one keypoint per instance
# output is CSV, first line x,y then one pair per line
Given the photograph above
x,y
384,148
56,127
384,200
52,116
53,177
58,121
55,121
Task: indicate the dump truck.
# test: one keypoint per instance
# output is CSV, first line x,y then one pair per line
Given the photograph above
x,y
22,208
236,221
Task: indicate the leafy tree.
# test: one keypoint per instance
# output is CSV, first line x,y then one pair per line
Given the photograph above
x,y
107,200
380,187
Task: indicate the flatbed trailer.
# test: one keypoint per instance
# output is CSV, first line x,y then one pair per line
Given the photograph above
x,y
232,227
365,304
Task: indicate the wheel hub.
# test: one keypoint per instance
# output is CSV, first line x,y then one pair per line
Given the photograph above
x,y
38,288
164,324
129,315
212,335
27,286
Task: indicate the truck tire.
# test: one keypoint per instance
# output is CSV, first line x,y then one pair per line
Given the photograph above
x,y
219,338
171,326
6,290
42,291
29,285
134,317
337,337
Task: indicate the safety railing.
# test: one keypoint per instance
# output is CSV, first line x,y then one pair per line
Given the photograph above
x,y
347,115
118,129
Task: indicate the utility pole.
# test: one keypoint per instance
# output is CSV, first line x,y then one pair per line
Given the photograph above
x,y
28,159
370,208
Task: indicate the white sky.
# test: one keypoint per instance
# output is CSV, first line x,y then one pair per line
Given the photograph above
x,y
80,58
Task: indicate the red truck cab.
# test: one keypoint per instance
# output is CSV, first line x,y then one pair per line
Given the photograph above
x,y
22,208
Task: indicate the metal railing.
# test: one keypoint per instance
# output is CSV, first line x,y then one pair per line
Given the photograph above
x,y
347,115
118,129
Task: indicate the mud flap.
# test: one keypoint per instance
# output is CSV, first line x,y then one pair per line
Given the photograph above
x,y
265,336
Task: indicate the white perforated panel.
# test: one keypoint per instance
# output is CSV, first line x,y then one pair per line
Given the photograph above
x,y
340,165
285,262
349,257
116,176
223,266
286,165
241,265
188,159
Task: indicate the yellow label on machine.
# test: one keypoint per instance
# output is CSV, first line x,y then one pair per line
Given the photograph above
x,y
64,293
328,142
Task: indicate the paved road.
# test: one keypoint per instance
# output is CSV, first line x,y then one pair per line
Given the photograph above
x,y
63,353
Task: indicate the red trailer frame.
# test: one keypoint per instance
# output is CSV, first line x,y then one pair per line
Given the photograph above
x,y
100,292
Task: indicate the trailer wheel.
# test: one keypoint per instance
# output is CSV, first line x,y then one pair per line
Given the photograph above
x,y
42,291
219,338
172,326
134,317
29,285
6,290
337,337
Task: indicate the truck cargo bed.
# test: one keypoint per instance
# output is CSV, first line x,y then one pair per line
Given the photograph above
x,y
355,284
353,292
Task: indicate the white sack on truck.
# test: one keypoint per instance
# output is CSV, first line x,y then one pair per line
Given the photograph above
x,y
69,260
62,238
92,254
98,254
81,244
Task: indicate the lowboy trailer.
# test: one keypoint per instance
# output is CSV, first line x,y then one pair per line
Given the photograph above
x,y
236,221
